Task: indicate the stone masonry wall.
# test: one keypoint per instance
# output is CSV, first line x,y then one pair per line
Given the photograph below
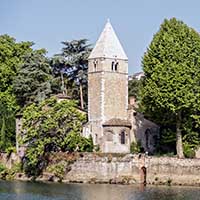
x,y
130,169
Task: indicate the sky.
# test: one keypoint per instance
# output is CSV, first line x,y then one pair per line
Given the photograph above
x,y
48,22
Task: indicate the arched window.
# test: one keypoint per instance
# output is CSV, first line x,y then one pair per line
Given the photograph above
x,y
109,136
123,137
113,65
95,65
116,65
155,140
147,136
96,138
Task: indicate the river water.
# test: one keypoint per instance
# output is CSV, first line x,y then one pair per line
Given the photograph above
x,y
54,191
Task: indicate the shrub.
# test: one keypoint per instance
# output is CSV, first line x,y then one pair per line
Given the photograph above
x,y
9,174
2,168
58,169
51,126
188,150
135,147
10,150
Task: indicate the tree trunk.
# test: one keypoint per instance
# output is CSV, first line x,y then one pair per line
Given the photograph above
x,y
81,96
3,144
64,89
179,144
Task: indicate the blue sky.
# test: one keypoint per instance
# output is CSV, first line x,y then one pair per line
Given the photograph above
x,y
48,22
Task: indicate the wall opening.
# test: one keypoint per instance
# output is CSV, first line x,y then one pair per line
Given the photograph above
x,y
95,65
147,137
143,177
116,65
123,137
96,139
112,65
109,136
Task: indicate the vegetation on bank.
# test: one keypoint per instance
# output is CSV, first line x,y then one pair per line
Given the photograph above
x,y
28,80
52,126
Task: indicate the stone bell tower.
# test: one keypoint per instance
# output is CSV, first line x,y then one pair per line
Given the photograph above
x,y
108,93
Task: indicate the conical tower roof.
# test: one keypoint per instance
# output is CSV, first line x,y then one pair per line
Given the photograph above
x,y
108,45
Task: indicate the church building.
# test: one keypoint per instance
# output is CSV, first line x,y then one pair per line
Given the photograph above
x,y
108,93
111,122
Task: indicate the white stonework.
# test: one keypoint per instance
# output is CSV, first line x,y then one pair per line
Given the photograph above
x,y
108,45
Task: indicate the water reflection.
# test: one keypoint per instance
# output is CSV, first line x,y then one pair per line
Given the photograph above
x,y
52,191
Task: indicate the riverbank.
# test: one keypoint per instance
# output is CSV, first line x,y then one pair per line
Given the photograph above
x,y
120,169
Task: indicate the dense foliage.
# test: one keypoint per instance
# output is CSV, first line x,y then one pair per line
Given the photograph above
x,y
34,79
134,87
27,76
52,126
72,64
169,94
171,88
11,58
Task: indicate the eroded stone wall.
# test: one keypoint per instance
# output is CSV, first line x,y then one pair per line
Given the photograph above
x,y
120,168
129,169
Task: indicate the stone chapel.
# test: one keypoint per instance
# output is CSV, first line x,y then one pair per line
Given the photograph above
x,y
112,122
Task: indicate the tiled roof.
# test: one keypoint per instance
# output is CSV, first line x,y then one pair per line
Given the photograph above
x,y
117,122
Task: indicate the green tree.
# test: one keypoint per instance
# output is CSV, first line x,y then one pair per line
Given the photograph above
x,y
49,127
8,108
134,87
11,58
60,69
33,82
172,70
75,54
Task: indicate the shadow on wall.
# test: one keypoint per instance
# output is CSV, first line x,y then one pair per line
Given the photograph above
x,y
146,133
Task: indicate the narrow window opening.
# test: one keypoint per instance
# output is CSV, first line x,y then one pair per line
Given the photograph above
x,y
95,65
116,65
147,135
113,64
96,138
123,136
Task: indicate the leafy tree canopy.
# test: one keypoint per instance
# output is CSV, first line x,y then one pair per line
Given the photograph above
x,y
172,70
8,108
52,126
72,63
33,82
11,58
134,87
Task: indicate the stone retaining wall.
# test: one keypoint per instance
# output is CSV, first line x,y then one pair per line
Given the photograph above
x,y
130,169
173,171
123,169
9,160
